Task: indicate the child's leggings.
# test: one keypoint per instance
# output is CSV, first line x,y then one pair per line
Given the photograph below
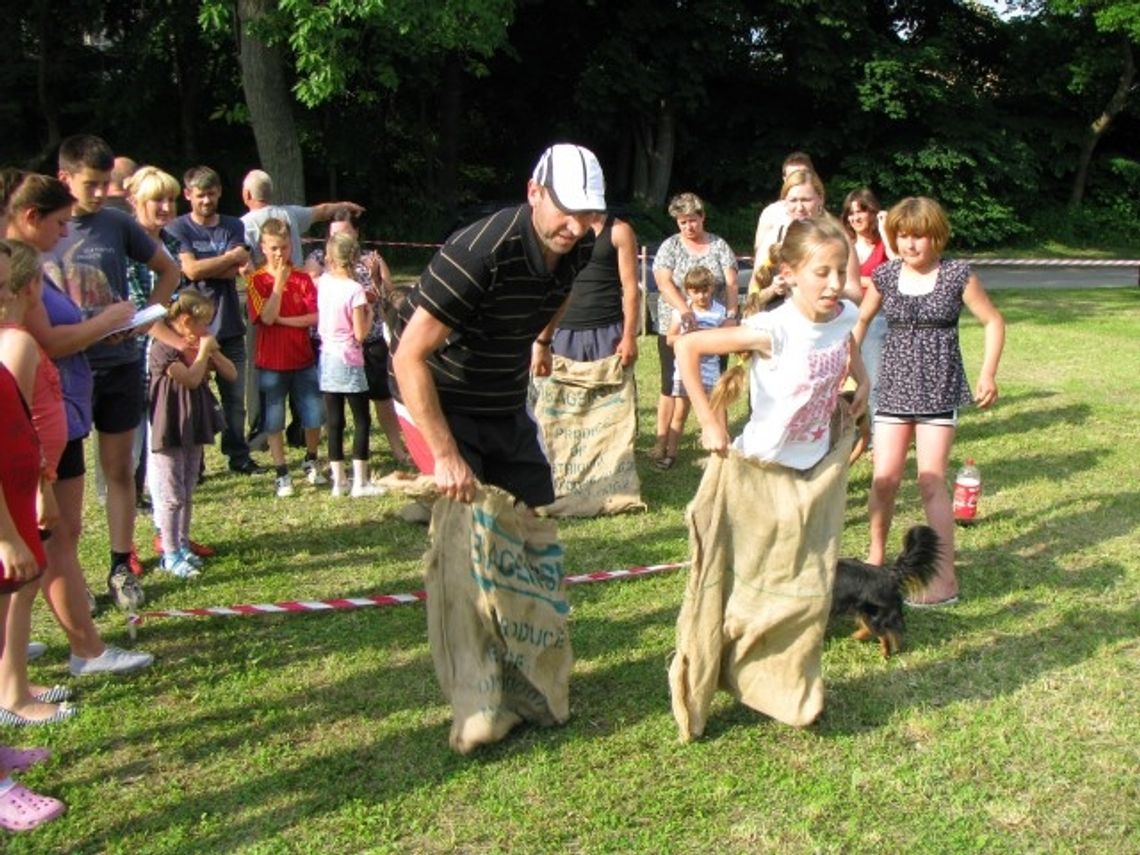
x,y
361,419
175,473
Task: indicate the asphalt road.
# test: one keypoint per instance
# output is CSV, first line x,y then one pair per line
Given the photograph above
x,y
1054,278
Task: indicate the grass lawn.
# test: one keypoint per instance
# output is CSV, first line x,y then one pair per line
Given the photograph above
x,y
1007,724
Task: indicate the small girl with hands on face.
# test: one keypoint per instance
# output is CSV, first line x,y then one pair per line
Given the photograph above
x,y
184,417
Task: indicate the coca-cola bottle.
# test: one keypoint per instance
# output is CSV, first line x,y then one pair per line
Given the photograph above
x,y
967,489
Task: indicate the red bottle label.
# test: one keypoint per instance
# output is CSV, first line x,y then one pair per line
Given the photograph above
x,y
966,493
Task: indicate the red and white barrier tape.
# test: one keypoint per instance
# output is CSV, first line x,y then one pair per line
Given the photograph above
x,y
342,603
1054,262
647,256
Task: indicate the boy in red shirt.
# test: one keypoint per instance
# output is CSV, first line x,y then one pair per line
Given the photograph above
x,y
282,304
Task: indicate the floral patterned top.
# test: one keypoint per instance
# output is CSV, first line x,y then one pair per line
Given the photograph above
x,y
921,371
672,255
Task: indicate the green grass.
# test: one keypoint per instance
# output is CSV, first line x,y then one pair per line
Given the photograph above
x,y
1008,724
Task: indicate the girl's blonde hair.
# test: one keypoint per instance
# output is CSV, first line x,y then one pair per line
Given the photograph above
x,y
342,251
919,216
26,266
192,303
149,183
801,240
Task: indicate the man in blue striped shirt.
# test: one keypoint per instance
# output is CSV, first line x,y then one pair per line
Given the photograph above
x,y
480,322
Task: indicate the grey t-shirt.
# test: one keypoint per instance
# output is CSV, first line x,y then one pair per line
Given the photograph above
x,y
91,265
298,217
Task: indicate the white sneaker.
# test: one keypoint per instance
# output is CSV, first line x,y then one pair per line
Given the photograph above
x,y
284,487
36,649
113,660
340,488
313,473
361,490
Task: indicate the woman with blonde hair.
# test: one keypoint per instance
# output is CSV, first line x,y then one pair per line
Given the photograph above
x,y
804,196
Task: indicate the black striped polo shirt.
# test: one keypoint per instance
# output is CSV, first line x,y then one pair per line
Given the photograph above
x,y
490,285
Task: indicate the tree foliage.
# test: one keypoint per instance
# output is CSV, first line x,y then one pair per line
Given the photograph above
x,y
421,109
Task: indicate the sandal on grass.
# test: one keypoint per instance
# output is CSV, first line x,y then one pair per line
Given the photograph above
x,y
63,712
23,810
54,695
664,462
20,759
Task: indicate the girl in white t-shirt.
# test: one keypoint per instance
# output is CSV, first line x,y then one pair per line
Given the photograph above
x,y
344,317
798,355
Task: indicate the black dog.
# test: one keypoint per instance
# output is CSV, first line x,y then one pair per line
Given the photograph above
x,y
875,594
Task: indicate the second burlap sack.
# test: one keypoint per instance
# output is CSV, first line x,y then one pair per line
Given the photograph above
x,y
587,412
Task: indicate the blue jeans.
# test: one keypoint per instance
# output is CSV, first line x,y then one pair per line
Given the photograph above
x,y
232,396
301,386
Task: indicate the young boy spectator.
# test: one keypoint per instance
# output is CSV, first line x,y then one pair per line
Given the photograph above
x,y
282,303
91,264
708,314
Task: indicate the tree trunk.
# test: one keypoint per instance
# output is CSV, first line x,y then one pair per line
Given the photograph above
x,y
654,145
449,130
1100,126
270,107
188,83
48,107
661,158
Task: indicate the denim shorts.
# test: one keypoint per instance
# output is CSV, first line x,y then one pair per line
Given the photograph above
x,y
303,385
338,376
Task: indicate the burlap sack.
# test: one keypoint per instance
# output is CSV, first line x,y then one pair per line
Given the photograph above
x,y
497,610
587,412
764,541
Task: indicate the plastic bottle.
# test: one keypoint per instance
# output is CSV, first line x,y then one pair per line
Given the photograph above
x,y
967,489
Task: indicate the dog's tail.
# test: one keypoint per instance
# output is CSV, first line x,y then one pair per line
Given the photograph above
x,y
917,564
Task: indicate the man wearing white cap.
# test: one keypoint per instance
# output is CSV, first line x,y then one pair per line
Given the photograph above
x,y
481,321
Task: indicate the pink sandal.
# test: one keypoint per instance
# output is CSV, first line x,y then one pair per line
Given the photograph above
x,y
19,759
23,810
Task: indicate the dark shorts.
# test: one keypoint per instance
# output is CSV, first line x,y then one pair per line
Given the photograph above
x,y
117,403
376,370
501,450
71,462
588,345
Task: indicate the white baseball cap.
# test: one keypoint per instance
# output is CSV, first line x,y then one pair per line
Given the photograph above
x,y
573,176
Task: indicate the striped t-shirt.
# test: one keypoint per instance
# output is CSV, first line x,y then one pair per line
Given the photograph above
x,y
490,285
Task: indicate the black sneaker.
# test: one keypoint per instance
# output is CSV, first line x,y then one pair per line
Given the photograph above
x,y
247,468
125,590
